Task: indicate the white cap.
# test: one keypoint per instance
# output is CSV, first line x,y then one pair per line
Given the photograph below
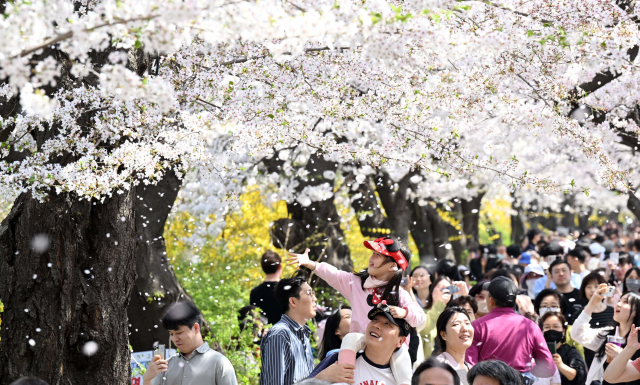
x,y
534,268
596,248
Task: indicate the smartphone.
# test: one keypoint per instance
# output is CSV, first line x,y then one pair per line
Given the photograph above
x,y
615,258
609,292
552,347
452,289
159,351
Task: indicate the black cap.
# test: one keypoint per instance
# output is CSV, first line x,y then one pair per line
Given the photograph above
x,y
504,290
383,308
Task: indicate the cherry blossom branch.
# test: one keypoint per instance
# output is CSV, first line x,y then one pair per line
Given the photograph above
x,y
70,34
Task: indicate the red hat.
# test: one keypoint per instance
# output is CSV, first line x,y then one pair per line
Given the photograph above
x,y
389,247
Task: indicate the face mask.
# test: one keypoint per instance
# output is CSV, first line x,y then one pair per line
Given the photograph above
x,y
530,283
501,256
482,307
544,310
552,336
633,285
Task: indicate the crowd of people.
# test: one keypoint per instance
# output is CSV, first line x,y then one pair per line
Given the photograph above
x,y
558,309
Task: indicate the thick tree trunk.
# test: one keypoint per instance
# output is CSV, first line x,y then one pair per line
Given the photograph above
x,y
633,204
396,203
374,224
75,290
429,232
156,285
316,226
518,225
470,220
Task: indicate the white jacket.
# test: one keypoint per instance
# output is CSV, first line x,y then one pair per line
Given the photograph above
x,y
585,335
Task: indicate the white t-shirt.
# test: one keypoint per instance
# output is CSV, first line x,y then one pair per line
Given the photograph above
x,y
368,373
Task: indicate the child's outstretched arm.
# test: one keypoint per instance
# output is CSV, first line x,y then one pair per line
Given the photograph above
x,y
342,281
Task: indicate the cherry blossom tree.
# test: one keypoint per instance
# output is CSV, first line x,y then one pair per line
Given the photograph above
x,y
102,98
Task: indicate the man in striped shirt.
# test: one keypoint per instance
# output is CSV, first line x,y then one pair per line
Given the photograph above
x,y
286,351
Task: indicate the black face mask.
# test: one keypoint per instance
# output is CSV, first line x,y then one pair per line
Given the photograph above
x,y
552,336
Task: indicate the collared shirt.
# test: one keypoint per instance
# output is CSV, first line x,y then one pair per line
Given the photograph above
x,y
204,366
506,336
286,353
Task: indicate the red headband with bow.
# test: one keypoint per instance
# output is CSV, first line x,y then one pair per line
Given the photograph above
x,y
389,247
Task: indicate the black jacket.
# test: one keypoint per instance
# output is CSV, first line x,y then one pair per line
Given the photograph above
x,y
573,359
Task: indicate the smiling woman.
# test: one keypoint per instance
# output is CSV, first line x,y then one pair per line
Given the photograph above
x,y
454,336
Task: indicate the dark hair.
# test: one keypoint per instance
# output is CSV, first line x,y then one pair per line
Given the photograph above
x,y
391,292
579,253
443,319
532,234
246,311
558,261
514,251
182,313
587,280
545,293
498,370
330,340
636,244
433,285
430,275
486,250
626,275
463,300
562,320
29,381
624,259
502,272
634,302
552,248
433,363
448,268
270,262
288,288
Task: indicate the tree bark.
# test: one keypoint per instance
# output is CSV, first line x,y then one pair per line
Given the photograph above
x,y
470,220
518,224
156,285
72,292
429,232
316,226
633,204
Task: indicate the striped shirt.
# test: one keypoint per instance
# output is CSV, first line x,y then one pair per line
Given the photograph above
x,y
286,353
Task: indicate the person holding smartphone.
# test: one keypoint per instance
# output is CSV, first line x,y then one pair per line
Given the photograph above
x,y
572,368
196,363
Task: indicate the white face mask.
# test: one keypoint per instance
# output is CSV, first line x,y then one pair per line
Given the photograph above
x,y
544,310
482,307
530,283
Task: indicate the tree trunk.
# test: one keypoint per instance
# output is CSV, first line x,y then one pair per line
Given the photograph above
x,y
156,285
429,232
518,225
60,296
316,226
633,204
393,197
470,220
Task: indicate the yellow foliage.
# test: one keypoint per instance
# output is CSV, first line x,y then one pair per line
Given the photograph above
x,y
498,212
245,236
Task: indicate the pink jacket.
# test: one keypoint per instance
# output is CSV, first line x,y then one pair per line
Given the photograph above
x,y
348,284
